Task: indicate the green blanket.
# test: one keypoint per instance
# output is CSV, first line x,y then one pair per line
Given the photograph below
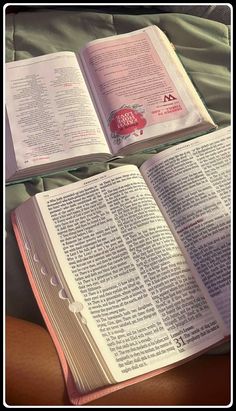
x,y
203,47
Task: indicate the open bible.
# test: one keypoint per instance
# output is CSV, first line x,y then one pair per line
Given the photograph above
x,y
131,268
116,96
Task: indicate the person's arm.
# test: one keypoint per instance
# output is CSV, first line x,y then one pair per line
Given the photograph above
x,y
34,376
33,372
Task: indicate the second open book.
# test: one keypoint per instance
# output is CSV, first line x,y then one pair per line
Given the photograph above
x,y
131,270
118,95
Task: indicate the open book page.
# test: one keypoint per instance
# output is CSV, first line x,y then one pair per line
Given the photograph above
x,y
50,111
191,184
10,160
140,86
120,261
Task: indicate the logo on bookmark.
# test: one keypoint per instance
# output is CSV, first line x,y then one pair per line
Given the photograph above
x,y
125,122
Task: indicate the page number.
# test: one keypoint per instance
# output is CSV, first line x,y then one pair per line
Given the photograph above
x,y
179,342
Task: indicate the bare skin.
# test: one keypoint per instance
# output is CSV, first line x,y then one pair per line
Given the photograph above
x,y
34,375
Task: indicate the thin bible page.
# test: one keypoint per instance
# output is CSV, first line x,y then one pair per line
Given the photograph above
x,y
10,159
122,263
192,185
50,111
141,89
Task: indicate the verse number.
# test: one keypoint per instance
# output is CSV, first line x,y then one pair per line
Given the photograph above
x,y
179,342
